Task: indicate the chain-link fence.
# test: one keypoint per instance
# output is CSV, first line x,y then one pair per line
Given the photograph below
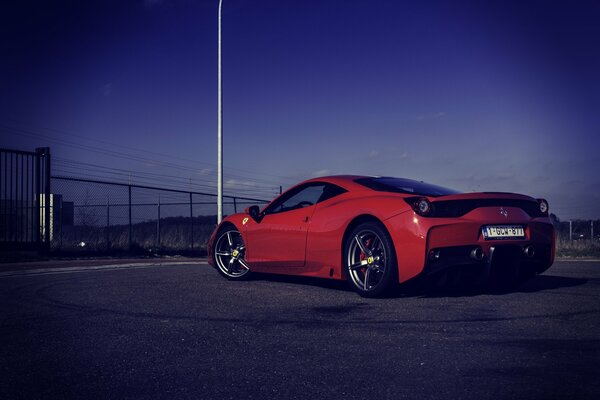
x,y
578,238
579,230
101,217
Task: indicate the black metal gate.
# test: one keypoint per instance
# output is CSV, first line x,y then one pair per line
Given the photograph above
x,y
25,200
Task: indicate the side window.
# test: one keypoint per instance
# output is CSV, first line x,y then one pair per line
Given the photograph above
x,y
305,196
331,191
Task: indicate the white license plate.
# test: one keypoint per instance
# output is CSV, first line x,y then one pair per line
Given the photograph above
x,y
503,232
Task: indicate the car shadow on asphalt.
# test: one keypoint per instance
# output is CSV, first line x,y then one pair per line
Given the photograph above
x,y
537,284
303,280
423,288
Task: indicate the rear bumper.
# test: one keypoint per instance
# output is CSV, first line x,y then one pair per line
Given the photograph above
x,y
528,256
531,258
463,244
429,245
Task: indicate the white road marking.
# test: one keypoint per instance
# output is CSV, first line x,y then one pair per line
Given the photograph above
x,y
69,270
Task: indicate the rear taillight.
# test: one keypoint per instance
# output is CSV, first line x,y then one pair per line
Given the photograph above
x,y
544,209
420,205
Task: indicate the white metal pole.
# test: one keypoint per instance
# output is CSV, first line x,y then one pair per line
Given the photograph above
x,y
220,132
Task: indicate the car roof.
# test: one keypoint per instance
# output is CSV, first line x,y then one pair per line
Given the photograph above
x,y
354,183
345,181
336,178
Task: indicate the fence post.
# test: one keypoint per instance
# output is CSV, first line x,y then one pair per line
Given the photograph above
x,y
570,231
592,230
48,191
158,224
234,206
60,221
43,174
191,223
20,217
107,223
130,225
37,214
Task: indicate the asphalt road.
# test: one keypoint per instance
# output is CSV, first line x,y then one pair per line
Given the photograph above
x,y
182,331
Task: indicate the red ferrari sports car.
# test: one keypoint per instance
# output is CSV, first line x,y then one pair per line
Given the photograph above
x,y
377,232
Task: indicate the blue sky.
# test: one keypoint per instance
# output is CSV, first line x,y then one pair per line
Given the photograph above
x,y
497,95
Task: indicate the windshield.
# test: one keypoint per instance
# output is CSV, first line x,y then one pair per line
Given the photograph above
x,y
407,186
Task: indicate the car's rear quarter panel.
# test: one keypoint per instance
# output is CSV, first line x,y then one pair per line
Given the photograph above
x,y
409,234
333,218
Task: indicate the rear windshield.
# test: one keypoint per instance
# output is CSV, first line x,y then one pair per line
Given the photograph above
x,y
407,186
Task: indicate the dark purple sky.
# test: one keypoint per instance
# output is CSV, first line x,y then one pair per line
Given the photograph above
x,y
477,95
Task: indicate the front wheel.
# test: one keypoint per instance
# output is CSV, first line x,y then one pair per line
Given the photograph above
x,y
229,255
370,260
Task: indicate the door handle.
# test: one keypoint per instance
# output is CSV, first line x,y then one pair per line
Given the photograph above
x,y
305,219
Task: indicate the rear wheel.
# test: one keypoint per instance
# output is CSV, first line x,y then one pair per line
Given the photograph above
x,y
370,260
229,255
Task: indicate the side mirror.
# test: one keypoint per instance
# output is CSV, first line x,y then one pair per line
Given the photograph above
x,y
254,212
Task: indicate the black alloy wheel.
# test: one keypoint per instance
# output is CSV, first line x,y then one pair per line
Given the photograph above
x,y
229,255
370,260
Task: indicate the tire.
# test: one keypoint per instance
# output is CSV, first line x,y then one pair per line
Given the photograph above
x,y
370,260
229,254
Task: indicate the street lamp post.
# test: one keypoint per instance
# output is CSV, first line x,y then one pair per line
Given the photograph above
x,y
220,132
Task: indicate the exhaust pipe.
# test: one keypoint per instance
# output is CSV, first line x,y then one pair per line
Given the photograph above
x,y
529,251
434,255
477,254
